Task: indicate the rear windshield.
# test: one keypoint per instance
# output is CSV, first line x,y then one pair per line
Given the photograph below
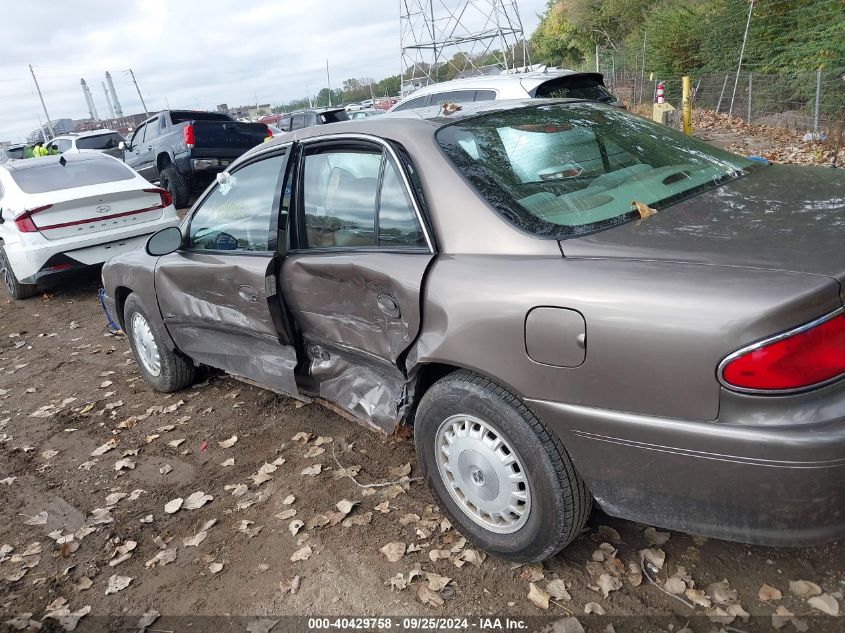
x,y
574,87
101,141
569,169
15,152
181,117
76,173
334,116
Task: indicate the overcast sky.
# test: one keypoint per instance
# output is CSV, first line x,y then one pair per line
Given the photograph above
x,y
191,54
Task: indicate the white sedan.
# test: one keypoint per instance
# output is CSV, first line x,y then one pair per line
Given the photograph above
x,y
59,213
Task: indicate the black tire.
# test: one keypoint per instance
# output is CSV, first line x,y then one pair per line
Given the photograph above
x,y
177,185
560,502
16,289
176,371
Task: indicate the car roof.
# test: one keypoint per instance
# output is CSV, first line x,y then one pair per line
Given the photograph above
x,y
86,134
405,124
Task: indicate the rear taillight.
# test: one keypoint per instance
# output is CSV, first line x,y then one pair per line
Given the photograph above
x,y
188,134
166,197
268,134
808,356
24,221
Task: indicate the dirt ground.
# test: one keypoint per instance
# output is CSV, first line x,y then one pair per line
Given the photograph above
x,y
67,388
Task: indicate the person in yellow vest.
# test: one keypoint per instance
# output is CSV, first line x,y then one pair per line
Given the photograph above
x,y
39,150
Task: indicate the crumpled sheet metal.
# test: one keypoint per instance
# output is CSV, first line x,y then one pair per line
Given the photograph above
x,y
367,388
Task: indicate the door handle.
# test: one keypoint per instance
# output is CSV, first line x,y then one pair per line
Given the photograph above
x,y
388,305
248,293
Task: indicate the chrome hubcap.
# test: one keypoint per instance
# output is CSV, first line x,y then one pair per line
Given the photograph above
x,y
145,344
483,473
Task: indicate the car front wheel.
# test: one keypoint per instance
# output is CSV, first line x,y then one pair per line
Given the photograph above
x,y
497,471
164,369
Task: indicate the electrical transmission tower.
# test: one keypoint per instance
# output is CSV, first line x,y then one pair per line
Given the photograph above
x,y
446,39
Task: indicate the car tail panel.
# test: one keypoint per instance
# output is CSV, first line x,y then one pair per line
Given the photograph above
x,y
94,214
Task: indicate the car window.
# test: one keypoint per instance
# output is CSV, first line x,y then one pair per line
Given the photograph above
x,y
284,124
454,96
397,221
177,116
419,102
334,116
153,130
297,121
101,141
64,144
138,136
236,215
341,201
574,168
485,95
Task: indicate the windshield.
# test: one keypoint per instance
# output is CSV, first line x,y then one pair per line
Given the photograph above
x,y
76,173
568,169
101,141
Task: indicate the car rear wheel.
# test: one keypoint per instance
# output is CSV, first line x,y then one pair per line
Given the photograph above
x,y
498,472
16,289
164,369
177,185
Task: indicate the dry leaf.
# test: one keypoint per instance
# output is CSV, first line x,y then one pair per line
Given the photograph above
x,y
635,574
173,506
767,593
698,597
313,470
295,526
428,597
195,540
538,596
654,556
215,568
301,554
656,538
594,607
197,500
118,583
286,514
318,520
228,443
38,519
436,582
383,507
289,500
162,558
105,448
675,586
825,603
437,554
399,471
302,437
557,590
290,586
473,557
804,588
608,583
409,518
394,551
721,592
228,462
532,573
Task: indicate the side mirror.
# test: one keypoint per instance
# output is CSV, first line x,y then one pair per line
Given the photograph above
x,y
121,146
164,242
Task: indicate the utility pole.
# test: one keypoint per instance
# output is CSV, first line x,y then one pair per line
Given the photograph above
x,y
741,55
329,82
140,96
40,96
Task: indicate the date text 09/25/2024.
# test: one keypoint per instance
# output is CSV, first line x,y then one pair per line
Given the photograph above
x,y
416,624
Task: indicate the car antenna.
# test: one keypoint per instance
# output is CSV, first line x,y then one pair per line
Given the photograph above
x,y
62,161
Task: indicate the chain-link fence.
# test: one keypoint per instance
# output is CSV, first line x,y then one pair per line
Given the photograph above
x,y
802,102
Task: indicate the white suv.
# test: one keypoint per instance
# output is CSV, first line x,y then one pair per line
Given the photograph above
x,y
104,141
555,84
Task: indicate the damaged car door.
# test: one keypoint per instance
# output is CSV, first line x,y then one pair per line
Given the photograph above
x,y
352,279
218,294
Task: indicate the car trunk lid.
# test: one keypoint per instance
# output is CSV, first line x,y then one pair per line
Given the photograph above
x,y
777,218
225,138
56,218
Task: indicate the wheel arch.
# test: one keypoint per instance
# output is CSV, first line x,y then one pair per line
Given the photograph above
x,y
121,293
163,160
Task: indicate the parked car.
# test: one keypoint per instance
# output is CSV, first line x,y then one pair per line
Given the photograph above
x,y
17,152
353,107
105,141
662,335
308,118
59,214
557,84
184,149
365,113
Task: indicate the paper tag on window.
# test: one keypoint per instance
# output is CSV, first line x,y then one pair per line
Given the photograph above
x,y
226,182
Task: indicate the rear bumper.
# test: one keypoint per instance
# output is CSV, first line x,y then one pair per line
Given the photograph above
x,y
769,485
28,260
